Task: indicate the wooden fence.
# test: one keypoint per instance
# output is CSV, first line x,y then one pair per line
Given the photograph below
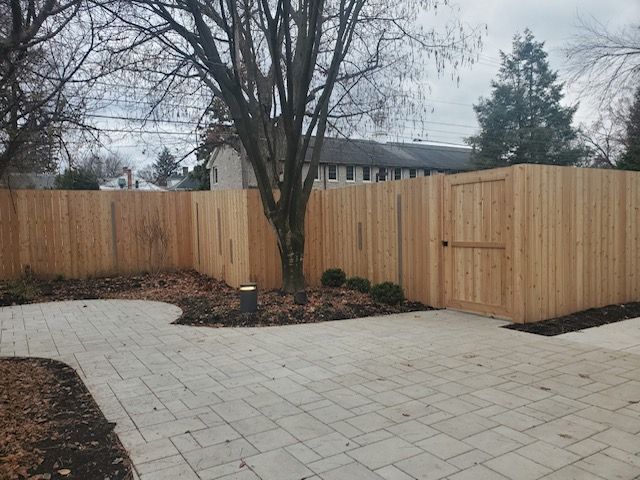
x,y
83,233
526,242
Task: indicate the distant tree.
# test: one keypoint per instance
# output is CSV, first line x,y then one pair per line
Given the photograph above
x,y
630,159
147,174
603,139
606,61
219,129
104,165
77,178
50,56
165,165
201,174
523,120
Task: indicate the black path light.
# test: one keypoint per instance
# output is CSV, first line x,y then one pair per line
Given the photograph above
x,y
248,298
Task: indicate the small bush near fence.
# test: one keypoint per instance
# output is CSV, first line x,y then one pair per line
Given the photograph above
x,y
387,292
333,277
358,283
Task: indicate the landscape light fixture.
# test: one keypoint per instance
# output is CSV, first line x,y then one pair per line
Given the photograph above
x,y
248,298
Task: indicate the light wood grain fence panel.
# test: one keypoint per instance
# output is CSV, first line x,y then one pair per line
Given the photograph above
x,y
582,240
83,233
221,238
384,232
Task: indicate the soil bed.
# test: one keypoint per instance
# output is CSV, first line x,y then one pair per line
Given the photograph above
x,y
51,428
593,317
206,301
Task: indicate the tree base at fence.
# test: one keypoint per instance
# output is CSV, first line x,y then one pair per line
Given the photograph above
x,y
51,428
593,317
208,302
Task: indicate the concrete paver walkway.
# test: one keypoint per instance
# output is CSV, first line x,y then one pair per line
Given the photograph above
x,y
424,395
624,335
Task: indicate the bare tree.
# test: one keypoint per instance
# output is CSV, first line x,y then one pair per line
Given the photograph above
x,y
602,141
153,235
286,71
104,165
46,78
606,62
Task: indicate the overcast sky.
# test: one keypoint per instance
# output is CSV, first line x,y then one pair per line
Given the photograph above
x,y
551,21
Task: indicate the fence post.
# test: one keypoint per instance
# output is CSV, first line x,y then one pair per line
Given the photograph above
x,y
399,237
114,236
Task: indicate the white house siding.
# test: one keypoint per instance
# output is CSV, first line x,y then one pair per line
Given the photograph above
x,y
229,171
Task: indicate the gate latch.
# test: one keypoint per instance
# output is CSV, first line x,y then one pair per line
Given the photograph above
x,y
445,243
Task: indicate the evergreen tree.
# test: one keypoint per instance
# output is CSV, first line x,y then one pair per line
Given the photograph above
x,y
164,166
80,178
201,174
523,121
631,157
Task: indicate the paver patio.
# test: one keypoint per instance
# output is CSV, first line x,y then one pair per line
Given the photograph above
x,y
624,335
424,395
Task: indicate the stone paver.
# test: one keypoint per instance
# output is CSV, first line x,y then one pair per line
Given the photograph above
x,y
427,395
624,335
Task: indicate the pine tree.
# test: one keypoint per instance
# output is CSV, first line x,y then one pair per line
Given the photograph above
x,y
523,120
164,166
630,159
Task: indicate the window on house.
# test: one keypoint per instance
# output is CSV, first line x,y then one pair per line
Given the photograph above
x,y
366,174
316,177
382,175
333,172
412,173
397,174
215,174
427,172
351,173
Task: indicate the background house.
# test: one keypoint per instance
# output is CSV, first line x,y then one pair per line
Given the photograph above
x,y
346,162
127,181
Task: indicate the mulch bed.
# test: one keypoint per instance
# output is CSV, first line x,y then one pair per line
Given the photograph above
x,y
593,317
205,301
51,428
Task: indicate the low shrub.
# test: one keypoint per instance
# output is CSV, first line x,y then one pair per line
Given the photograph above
x,y
23,290
333,277
387,292
358,283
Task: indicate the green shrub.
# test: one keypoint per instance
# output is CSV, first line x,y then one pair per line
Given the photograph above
x,y
358,283
79,178
23,290
387,292
333,277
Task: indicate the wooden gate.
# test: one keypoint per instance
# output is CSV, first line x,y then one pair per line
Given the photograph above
x,y
478,210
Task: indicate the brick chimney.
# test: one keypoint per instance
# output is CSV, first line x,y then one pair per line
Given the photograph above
x,y
126,171
185,171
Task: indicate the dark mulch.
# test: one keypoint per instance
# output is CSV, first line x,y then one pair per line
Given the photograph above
x,y
206,301
51,428
593,317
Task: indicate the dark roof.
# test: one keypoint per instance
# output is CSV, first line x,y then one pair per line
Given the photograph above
x,y
187,183
409,155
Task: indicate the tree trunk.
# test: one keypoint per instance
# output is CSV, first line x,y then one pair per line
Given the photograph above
x,y
291,247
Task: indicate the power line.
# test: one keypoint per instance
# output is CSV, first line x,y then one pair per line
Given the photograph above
x,y
151,120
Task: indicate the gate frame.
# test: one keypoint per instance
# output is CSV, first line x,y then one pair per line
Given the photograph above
x,y
511,282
